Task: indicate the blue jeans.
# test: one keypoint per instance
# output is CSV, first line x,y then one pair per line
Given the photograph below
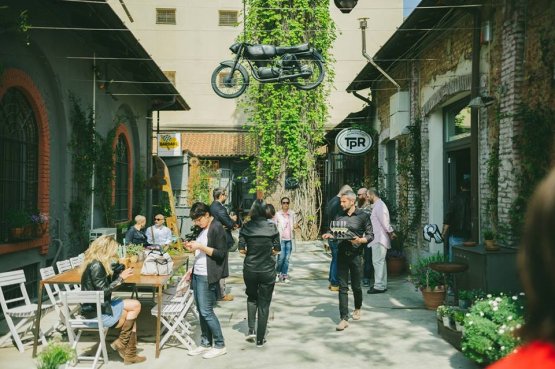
x,y
333,264
282,265
453,241
205,299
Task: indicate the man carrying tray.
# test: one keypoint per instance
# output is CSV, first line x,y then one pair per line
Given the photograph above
x,y
351,244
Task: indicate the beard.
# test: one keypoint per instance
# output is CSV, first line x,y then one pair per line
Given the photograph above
x,y
361,202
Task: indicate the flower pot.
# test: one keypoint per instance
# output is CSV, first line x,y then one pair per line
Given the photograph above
x,y
464,304
16,233
432,299
396,265
490,245
446,321
459,327
41,228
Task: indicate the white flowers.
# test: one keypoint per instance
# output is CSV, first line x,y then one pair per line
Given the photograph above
x,y
514,298
510,317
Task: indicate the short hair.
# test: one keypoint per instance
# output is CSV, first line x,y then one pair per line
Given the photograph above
x,y
363,189
270,211
199,209
536,258
344,189
373,191
350,194
258,209
283,198
218,191
140,218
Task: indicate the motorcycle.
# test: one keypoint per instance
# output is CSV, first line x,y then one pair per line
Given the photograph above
x,y
300,65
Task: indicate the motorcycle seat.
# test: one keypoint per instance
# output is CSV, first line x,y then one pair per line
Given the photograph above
x,y
261,51
280,50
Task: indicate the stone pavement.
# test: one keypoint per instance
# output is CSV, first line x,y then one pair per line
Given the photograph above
x,y
395,330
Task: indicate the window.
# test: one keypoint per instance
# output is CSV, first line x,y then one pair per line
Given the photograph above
x,y
18,157
165,16
456,119
228,18
121,204
391,177
170,74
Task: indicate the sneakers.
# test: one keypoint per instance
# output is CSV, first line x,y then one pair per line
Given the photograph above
x,y
260,343
199,350
342,325
228,297
285,280
373,291
278,278
333,288
214,352
356,314
251,336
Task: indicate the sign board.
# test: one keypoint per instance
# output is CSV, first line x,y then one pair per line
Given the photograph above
x,y
353,141
169,144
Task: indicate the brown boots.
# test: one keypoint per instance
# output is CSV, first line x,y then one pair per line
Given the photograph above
x,y
126,344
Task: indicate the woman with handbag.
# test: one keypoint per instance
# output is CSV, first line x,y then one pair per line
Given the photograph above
x,y
210,266
259,241
98,275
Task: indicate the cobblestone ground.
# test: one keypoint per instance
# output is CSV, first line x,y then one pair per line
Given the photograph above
x,y
395,330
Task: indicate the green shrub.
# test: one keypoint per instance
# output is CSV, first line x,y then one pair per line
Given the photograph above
x,y
422,276
490,327
55,354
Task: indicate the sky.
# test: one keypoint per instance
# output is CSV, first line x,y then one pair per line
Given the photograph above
x,y
408,6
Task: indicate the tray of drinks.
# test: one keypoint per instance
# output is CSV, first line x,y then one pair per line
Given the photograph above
x,y
340,231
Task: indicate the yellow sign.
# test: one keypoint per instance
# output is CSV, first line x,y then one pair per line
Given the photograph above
x,y
169,142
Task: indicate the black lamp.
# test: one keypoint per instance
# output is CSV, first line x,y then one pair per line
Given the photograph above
x,y
345,5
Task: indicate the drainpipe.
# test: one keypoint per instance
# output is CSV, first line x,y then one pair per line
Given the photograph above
x,y
474,92
365,99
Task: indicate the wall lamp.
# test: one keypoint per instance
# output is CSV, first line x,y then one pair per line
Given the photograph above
x,y
481,102
345,6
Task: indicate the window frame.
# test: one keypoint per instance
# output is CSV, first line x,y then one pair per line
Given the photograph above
x,y
223,14
166,16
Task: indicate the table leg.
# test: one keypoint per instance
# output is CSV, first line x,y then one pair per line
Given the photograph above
x,y
158,321
37,321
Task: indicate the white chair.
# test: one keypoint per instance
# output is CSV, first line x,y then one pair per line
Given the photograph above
x,y
26,312
77,260
63,266
80,324
173,314
53,292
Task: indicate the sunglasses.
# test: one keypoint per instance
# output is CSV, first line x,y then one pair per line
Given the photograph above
x,y
285,202
158,218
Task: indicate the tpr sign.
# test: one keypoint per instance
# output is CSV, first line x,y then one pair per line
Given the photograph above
x,y
353,141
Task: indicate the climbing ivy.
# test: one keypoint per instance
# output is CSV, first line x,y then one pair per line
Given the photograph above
x,y
105,174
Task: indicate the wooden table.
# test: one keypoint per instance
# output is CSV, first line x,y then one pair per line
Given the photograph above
x,y
73,276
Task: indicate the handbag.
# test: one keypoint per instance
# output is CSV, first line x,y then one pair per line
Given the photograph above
x,y
157,263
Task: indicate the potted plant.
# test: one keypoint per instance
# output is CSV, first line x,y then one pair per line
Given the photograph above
x,y
430,282
55,355
489,240
444,312
465,298
17,220
396,262
40,220
134,251
458,317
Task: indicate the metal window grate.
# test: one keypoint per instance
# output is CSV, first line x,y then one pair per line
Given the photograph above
x,y
165,16
18,157
228,18
121,205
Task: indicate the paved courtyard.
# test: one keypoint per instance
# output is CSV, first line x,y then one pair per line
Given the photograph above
x,y
395,330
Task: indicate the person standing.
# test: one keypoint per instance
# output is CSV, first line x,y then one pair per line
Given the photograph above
x,y
348,256
363,203
158,234
135,233
285,225
210,266
333,208
536,257
383,234
259,240
456,222
219,212
97,275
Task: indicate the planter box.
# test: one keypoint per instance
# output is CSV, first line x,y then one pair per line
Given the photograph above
x,y
449,335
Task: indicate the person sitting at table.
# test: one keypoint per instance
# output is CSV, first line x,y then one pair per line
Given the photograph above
x,y
135,233
158,234
210,266
97,275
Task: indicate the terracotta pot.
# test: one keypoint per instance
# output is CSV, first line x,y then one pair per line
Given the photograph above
x,y
396,266
432,299
490,245
16,233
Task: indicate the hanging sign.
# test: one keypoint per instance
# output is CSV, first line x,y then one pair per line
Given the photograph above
x,y
169,144
353,141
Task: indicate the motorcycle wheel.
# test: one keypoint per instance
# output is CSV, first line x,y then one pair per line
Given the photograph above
x,y
315,65
235,87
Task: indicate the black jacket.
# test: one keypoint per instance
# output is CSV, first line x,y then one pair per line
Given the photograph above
x,y
95,278
219,212
135,236
333,208
217,263
259,237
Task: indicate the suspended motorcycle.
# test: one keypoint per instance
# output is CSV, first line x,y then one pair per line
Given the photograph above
x,y
300,65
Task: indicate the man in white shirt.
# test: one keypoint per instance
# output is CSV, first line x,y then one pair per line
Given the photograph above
x,y
383,234
158,234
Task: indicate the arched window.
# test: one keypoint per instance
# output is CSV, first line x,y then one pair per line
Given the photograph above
x,y
121,203
18,157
